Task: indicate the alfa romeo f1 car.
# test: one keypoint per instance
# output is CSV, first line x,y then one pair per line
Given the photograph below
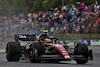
x,y
27,46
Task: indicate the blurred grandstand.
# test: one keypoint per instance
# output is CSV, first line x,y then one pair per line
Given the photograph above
x,y
75,19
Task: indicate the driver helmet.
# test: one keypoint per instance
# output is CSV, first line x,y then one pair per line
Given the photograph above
x,y
46,40
45,31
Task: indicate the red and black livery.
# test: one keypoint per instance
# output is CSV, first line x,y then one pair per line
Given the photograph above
x,y
52,50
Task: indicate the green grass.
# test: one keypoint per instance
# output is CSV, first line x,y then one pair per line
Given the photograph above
x,y
77,36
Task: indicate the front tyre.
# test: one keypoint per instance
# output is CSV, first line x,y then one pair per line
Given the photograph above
x,y
81,49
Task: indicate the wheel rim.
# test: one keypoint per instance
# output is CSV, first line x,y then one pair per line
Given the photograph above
x,y
33,53
36,54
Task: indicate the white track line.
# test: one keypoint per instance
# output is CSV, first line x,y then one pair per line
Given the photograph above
x,y
2,50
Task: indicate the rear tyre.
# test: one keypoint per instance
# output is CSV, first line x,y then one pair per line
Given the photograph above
x,y
82,49
13,51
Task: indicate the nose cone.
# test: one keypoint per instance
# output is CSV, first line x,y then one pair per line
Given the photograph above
x,y
66,57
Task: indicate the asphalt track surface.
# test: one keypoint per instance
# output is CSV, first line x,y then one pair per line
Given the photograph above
x,y
27,63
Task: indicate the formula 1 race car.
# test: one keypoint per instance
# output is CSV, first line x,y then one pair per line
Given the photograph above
x,y
27,46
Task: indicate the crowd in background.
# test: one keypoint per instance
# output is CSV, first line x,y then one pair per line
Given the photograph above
x,y
65,19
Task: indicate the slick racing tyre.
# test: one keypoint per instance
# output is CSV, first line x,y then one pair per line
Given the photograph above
x,y
13,51
33,55
81,49
36,49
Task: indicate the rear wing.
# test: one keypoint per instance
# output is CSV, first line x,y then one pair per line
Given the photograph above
x,y
25,37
